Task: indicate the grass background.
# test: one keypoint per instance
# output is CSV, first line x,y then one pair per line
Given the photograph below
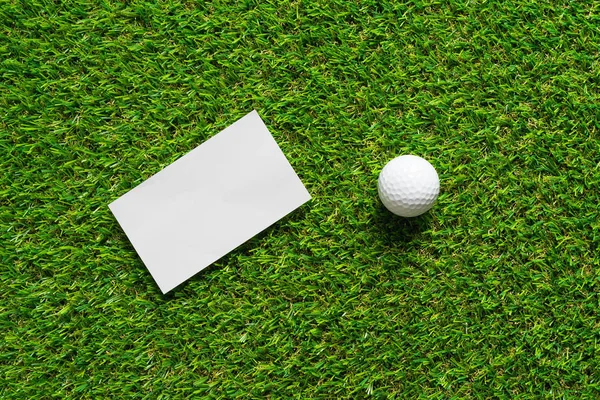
x,y
494,293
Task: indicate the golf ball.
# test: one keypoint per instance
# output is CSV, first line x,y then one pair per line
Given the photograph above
x,y
408,186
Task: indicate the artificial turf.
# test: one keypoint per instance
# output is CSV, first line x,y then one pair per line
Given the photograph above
x,y
492,294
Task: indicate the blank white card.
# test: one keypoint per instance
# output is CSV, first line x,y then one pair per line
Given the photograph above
x,y
209,201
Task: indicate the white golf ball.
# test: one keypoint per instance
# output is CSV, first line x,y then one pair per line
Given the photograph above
x,y
408,186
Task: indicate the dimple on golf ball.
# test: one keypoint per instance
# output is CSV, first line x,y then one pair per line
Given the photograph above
x,y
408,186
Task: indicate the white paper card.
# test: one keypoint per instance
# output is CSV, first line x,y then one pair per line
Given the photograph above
x,y
209,201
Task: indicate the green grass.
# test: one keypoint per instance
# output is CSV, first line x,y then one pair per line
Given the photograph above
x,y
493,294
